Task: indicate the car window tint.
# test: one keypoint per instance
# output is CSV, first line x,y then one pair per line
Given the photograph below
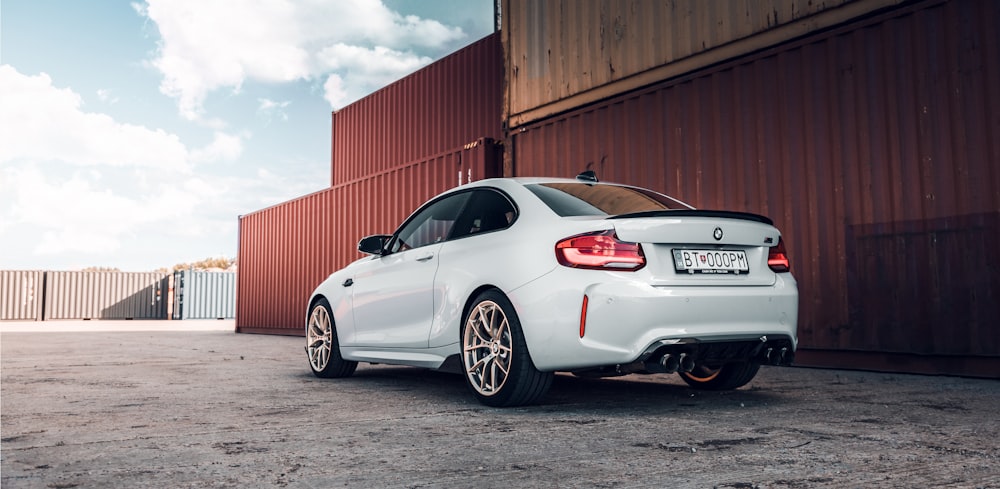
x,y
582,199
489,210
430,225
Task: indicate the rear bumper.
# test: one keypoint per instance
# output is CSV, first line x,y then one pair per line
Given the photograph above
x,y
627,320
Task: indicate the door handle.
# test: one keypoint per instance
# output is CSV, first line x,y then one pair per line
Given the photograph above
x,y
426,257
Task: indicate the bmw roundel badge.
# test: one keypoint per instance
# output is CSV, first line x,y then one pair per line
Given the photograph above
x,y
717,234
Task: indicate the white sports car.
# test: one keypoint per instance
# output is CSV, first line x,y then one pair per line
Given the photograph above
x,y
511,280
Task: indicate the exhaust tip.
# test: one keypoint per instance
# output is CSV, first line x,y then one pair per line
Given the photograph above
x,y
686,363
670,363
778,357
787,357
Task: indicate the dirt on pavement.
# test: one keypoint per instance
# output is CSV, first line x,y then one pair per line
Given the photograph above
x,y
217,409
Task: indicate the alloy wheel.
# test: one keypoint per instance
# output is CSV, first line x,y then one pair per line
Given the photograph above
x,y
487,348
319,338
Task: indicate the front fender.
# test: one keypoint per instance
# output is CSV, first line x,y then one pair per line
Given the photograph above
x,y
339,297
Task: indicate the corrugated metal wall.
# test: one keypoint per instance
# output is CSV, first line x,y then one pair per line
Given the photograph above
x,y
562,48
105,295
453,101
202,294
875,149
285,251
21,295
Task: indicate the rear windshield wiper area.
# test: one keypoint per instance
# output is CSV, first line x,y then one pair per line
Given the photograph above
x,y
745,216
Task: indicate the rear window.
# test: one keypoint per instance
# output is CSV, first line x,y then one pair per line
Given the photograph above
x,y
583,199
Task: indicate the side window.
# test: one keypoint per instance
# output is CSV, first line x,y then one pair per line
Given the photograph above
x,y
432,224
488,210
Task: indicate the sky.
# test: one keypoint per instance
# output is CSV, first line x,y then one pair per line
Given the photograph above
x,y
133,134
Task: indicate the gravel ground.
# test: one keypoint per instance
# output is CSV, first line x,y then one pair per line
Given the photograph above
x,y
210,408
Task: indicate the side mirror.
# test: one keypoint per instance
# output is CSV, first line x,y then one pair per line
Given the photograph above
x,y
373,245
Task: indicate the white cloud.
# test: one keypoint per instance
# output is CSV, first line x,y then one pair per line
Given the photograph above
x,y
41,122
370,22
364,70
105,95
76,184
56,216
333,91
269,109
224,147
379,61
80,214
414,30
208,45
76,241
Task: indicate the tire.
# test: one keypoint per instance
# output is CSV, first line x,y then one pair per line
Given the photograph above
x,y
498,368
322,346
726,377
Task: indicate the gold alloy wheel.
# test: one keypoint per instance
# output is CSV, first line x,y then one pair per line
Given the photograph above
x,y
319,338
487,348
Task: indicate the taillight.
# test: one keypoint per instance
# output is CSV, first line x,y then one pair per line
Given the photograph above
x,y
777,258
600,251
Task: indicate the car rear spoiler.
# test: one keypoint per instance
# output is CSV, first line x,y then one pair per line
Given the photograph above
x,y
744,216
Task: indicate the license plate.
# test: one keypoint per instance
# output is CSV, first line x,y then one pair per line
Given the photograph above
x,y
711,261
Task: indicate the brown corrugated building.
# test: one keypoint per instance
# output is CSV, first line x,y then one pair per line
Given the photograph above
x,y
867,129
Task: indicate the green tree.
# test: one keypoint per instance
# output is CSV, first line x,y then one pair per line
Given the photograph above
x,y
218,263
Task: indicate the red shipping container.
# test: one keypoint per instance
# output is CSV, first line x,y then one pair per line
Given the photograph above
x,y
285,251
453,101
873,147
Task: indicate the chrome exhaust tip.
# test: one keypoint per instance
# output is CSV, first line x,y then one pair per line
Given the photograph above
x,y
786,357
670,363
686,363
779,357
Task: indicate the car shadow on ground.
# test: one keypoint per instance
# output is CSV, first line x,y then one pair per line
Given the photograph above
x,y
568,393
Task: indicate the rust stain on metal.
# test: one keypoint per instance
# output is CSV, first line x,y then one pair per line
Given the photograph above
x,y
561,48
874,146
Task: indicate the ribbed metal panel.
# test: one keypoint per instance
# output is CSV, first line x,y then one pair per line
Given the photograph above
x,y
200,294
455,100
21,295
563,48
285,251
105,295
873,146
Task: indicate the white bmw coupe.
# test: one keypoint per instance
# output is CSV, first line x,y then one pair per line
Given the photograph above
x,y
511,280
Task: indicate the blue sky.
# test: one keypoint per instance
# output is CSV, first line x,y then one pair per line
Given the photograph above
x,y
134,133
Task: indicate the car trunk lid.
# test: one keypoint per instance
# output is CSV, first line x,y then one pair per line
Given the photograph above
x,y
694,247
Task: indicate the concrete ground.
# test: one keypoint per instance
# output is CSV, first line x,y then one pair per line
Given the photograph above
x,y
191,404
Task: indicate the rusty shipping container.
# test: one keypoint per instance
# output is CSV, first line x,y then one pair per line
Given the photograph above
x,y
874,146
105,295
562,54
285,251
21,293
455,100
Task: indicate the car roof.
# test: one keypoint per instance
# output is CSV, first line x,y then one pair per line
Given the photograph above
x,y
525,181
534,180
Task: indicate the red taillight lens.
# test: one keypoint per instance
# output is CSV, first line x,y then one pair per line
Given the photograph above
x,y
777,258
600,251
